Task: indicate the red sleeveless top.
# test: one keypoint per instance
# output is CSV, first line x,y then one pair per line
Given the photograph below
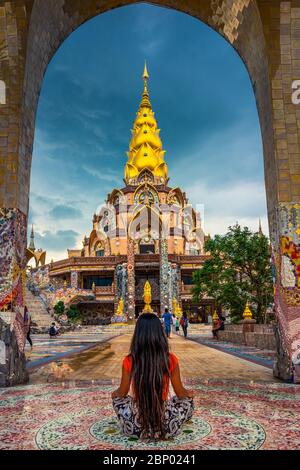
x,y
127,364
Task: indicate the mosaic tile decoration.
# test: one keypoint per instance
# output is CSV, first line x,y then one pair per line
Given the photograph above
x,y
228,415
12,256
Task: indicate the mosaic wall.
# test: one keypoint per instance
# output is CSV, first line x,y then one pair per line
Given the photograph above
x,y
286,258
13,241
131,278
71,295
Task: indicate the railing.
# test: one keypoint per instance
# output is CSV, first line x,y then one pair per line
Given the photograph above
x,y
190,259
104,290
88,261
114,260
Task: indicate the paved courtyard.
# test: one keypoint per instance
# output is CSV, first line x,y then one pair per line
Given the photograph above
x,y
67,404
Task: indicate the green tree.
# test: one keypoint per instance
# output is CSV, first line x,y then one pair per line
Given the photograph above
x,y
59,308
73,314
238,270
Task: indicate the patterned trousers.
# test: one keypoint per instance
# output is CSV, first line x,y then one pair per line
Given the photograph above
x,y
177,412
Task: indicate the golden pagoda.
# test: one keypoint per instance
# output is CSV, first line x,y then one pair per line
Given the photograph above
x,y
145,148
147,239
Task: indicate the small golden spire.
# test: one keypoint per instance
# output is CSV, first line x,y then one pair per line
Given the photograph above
x,y
215,316
145,103
247,315
145,74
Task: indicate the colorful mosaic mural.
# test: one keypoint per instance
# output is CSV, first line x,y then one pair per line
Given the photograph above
x,y
228,415
70,295
12,257
286,259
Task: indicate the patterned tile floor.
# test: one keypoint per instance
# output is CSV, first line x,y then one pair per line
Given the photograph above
x,y
228,415
238,403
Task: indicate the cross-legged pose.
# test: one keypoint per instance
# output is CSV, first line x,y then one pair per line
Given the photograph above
x,y
149,411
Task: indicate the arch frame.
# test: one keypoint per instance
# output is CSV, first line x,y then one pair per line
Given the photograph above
x,y
263,34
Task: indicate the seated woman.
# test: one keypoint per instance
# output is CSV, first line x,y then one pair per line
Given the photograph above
x,y
148,370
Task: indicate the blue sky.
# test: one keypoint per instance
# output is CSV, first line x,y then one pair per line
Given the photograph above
x,y
204,104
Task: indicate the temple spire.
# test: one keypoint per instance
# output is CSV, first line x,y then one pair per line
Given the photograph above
x,y
259,228
31,244
145,148
145,103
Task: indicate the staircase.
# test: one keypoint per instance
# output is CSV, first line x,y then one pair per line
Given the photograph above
x,y
40,317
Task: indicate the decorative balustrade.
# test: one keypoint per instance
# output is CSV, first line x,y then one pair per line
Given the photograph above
x,y
88,261
114,260
104,290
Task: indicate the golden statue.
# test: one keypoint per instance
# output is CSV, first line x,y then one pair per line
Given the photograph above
x,y
120,308
145,148
215,316
177,310
147,298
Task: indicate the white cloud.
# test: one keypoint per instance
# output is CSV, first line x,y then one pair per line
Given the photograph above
x,y
243,202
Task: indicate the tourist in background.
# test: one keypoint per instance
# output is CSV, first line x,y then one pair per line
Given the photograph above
x,y
216,327
53,331
168,321
27,326
177,326
151,412
174,323
184,322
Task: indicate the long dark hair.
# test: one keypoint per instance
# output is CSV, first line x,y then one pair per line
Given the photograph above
x,y
151,368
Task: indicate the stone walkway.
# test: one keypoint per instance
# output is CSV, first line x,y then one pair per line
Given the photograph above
x,y
103,362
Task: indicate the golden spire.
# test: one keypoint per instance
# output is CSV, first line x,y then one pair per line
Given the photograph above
x,y
145,148
247,315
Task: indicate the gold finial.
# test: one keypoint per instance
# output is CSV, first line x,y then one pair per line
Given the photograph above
x,y
145,74
247,315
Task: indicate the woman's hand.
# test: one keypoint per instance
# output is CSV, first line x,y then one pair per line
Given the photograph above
x,y
190,393
115,394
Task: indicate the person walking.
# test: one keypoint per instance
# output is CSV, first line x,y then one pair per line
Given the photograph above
x,y
149,411
177,326
184,323
27,326
168,320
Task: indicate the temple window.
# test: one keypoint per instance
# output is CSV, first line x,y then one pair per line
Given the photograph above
x,y
100,253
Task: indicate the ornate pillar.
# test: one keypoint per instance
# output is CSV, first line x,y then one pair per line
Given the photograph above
x,y
164,275
120,282
130,278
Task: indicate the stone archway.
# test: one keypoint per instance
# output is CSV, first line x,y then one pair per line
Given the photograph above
x,y
265,33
